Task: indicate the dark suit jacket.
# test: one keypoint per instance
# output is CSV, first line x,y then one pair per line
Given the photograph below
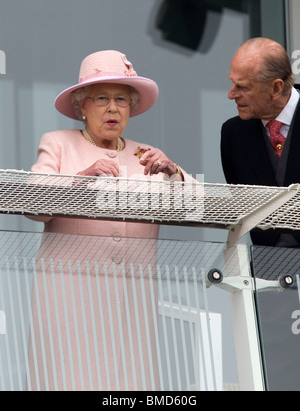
x,y
245,160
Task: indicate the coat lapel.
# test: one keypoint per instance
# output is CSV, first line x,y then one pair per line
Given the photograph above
x,y
292,174
255,149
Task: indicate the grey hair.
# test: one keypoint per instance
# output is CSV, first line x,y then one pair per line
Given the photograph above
x,y
275,63
79,95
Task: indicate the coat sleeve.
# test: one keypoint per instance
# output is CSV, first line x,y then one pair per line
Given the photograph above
x,y
226,157
48,156
47,162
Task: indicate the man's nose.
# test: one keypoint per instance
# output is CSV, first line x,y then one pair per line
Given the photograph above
x,y
232,94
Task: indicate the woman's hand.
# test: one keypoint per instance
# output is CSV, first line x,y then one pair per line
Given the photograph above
x,y
155,161
104,168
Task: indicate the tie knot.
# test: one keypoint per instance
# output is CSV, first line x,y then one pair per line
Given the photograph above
x,y
274,126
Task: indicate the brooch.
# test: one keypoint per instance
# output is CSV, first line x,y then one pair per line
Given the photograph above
x,y
140,151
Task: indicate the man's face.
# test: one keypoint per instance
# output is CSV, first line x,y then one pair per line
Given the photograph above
x,y
253,98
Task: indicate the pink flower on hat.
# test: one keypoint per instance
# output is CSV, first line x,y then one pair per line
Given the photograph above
x,y
129,71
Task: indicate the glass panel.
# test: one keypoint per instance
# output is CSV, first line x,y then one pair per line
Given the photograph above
x,y
279,314
268,19
97,313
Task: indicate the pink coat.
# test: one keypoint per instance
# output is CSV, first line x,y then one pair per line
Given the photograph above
x,y
68,152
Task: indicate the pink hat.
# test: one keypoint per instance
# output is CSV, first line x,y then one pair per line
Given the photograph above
x,y
109,66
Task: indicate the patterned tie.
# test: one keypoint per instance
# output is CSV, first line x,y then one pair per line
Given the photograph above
x,y
277,139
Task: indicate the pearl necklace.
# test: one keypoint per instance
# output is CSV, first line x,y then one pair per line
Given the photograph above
x,y
89,138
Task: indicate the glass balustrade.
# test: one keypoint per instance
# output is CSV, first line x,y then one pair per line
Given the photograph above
x,y
97,313
278,306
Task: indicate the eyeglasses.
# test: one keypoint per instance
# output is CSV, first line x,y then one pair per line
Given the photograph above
x,y
103,100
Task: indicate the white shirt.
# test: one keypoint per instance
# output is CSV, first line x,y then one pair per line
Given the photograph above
x,y
286,114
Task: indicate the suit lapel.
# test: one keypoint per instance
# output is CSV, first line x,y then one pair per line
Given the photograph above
x,y
292,174
255,149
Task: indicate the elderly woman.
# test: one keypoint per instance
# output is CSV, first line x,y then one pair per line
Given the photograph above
x,y
86,350
109,92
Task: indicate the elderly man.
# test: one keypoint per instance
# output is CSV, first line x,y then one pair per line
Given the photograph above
x,y
261,146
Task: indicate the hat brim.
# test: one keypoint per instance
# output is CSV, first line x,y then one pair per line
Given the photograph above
x,y
147,89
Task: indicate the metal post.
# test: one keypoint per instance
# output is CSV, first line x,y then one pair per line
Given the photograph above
x,y
244,319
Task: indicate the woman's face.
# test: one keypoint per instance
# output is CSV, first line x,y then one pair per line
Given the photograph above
x,y
107,111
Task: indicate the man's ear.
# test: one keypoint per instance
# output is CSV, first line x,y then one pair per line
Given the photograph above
x,y
277,87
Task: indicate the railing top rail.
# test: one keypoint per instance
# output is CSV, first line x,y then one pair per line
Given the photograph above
x,y
148,200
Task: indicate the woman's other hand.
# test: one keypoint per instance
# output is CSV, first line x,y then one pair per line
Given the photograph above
x,y
104,168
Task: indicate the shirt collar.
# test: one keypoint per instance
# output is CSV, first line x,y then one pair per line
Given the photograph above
x,y
286,115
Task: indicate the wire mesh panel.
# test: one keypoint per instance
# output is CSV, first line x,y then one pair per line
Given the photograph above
x,y
285,217
71,319
152,201
105,198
